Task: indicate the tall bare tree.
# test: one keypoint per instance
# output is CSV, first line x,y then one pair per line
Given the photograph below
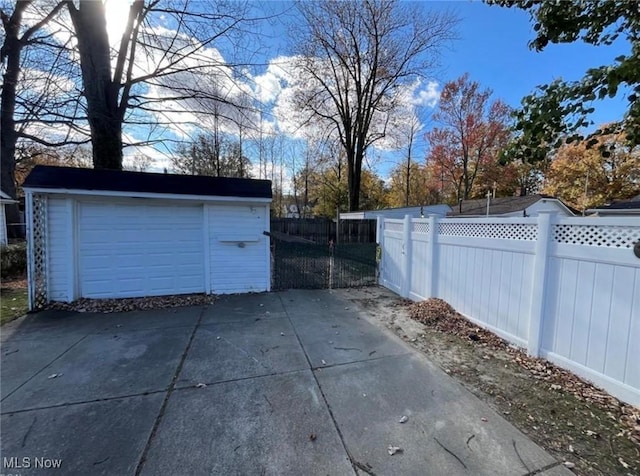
x,y
17,37
166,45
212,155
352,59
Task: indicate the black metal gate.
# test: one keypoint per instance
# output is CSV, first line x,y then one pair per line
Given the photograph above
x,y
314,266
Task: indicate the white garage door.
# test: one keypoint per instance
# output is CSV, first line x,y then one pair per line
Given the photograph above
x,y
131,250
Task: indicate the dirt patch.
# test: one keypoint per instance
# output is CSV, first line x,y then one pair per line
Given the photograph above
x,y
573,420
133,304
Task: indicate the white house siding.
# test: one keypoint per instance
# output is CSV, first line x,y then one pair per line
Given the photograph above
x,y
398,213
545,205
135,248
59,235
238,252
3,226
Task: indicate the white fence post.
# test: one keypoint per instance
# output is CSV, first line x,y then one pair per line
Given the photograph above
x,y
379,249
432,257
406,252
31,291
539,283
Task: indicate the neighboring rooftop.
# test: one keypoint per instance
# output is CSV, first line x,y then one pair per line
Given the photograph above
x,y
4,197
71,178
619,207
504,206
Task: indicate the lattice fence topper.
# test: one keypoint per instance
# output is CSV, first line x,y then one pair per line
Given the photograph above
x,y
504,231
597,235
39,251
393,226
419,227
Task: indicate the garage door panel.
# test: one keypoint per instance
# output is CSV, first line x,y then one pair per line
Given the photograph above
x,y
129,250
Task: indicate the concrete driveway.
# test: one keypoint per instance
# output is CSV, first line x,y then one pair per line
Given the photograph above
x,y
297,382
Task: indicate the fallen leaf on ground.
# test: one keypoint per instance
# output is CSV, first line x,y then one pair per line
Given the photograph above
x,y
393,450
133,304
438,315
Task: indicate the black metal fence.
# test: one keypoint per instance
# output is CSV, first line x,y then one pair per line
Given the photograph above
x,y
321,230
318,266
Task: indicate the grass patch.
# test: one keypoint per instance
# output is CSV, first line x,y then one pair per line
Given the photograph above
x,y
13,304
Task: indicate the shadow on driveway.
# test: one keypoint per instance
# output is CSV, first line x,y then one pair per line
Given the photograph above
x,y
296,382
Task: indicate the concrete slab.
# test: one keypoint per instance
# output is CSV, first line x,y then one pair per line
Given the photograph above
x,y
300,302
22,359
244,307
558,470
186,316
241,350
445,432
344,337
105,366
47,324
262,402
94,438
258,426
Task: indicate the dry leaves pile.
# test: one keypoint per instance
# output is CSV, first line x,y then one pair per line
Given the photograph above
x,y
14,283
133,304
439,315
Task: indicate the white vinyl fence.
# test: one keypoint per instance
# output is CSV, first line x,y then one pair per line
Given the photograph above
x,y
566,289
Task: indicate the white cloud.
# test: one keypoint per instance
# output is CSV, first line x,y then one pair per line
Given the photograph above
x,y
428,96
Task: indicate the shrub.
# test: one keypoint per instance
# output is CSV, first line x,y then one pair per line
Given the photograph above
x,y
13,260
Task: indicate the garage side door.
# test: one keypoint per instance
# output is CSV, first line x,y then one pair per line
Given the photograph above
x,y
239,250
132,250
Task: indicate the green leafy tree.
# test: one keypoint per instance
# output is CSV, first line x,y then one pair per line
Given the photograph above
x,y
585,177
422,189
556,113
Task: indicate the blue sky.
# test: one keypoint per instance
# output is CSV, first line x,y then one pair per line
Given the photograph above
x,y
492,47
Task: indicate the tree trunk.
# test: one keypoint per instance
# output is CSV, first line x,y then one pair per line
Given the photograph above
x,y
11,51
103,112
353,180
407,185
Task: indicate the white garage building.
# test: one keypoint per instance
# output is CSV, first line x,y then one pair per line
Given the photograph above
x,y
114,234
